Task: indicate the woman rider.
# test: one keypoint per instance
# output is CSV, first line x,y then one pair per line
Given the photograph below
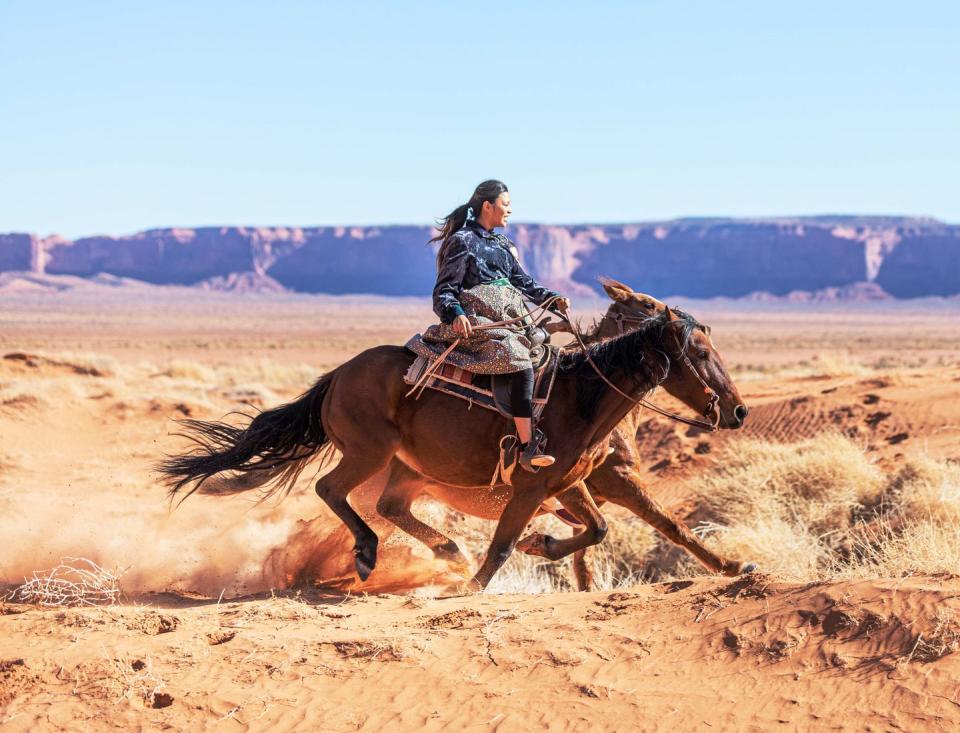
x,y
479,280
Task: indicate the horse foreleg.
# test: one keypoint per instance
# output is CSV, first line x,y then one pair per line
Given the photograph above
x,y
521,508
580,504
403,487
622,486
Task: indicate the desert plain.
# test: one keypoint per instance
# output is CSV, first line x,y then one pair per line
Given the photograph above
x,y
121,612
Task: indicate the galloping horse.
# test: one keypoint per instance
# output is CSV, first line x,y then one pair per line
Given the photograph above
x,y
359,409
618,479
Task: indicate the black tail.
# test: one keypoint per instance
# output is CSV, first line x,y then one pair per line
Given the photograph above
x,y
275,445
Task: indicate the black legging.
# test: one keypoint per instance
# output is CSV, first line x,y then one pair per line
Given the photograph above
x,y
521,393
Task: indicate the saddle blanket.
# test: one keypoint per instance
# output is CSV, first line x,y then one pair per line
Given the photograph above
x,y
491,391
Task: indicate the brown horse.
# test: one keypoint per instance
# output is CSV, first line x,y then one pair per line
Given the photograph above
x,y
360,410
617,479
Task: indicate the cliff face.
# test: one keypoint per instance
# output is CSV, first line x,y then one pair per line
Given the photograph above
x,y
696,258
18,252
923,265
388,261
726,259
167,256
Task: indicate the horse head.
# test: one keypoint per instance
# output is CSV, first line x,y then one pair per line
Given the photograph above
x,y
693,380
697,375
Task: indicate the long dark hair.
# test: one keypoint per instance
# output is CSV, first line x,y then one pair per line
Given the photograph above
x,y
486,191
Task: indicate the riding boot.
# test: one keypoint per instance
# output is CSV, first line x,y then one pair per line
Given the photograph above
x,y
532,458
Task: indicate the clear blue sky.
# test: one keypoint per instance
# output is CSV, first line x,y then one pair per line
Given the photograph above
x,y
115,117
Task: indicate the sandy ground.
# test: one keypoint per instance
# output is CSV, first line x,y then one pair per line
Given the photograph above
x,y
90,383
756,655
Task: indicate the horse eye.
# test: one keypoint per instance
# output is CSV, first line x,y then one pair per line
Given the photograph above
x,y
703,355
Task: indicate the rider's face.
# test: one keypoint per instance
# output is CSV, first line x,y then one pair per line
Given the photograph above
x,y
498,211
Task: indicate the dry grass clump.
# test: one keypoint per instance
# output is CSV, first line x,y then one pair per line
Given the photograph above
x,y
122,678
261,375
824,364
252,394
779,546
836,363
913,525
383,650
265,371
887,548
622,559
815,483
926,490
527,574
941,640
189,371
76,581
820,509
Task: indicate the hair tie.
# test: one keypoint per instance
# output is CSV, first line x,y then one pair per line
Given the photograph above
x,y
469,213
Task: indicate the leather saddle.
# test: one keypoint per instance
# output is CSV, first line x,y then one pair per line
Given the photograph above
x,y
491,391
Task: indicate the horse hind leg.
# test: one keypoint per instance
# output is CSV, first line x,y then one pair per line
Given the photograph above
x,y
335,487
625,488
580,504
582,563
583,569
402,489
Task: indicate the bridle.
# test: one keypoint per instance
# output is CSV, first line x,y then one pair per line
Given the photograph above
x,y
621,319
713,399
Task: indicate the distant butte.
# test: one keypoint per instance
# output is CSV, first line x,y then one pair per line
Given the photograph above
x,y
819,258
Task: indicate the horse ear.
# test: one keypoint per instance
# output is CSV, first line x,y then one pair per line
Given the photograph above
x,y
616,290
672,333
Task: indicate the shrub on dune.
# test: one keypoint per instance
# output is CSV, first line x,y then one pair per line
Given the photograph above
x,y
814,483
778,545
820,508
925,490
621,559
886,549
189,371
272,373
915,527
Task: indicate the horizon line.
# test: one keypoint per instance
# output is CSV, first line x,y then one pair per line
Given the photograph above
x,y
924,218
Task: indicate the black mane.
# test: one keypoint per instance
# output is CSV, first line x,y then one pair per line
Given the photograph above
x,y
626,354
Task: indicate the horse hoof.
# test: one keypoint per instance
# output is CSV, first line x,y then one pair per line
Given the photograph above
x,y
748,567
364,565
535,544
363,570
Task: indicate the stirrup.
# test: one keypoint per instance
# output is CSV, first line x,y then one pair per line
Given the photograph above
x,y
533,458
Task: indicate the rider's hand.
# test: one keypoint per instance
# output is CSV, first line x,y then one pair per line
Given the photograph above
x,y
562,305
461,325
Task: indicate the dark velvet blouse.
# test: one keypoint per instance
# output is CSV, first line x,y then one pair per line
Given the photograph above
x,y
475,256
